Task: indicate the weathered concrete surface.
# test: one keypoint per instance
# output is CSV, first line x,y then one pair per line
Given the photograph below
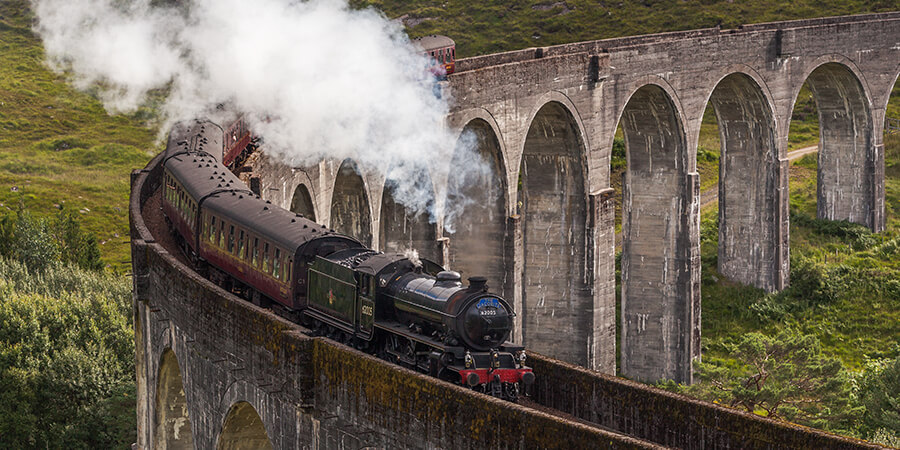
x,y
547,117
214,371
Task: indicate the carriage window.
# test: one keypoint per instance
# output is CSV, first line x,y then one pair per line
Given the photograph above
x,y
254,252
212,229
241,248
452,54
288,269
221,240
265,258
276,264
231,239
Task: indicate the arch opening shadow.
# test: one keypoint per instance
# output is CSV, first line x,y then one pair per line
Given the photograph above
x,y
402,228
556,297
243,430
350,204
476,205
845,184
302,203
660,316
173,423
748,182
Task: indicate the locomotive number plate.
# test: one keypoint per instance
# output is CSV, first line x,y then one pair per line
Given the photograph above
x,y
488,302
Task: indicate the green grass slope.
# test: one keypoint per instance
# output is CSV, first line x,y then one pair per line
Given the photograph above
x,y
492,26
58,147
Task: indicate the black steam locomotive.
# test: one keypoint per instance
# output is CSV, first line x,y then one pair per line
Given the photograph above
x,y
407,311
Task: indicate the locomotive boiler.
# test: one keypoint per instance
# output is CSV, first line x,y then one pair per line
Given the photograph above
x,y
398,307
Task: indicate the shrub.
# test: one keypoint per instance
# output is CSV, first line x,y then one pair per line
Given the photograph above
x,y
619,156
37,242
66,358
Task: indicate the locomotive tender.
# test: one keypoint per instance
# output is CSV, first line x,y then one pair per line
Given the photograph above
x,y
402,309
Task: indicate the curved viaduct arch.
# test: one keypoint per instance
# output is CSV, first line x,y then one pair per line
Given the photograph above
x,y
173,423
402,228
350,211
303,203
243,429
475,209
556,298
845,184
749,243
660,316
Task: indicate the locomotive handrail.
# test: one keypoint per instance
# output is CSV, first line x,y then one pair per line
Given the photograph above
x,y
509,310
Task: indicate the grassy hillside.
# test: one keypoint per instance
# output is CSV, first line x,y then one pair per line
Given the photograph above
x,y
499,25
58,147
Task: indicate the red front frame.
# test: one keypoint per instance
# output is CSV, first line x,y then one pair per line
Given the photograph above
x,y
487,375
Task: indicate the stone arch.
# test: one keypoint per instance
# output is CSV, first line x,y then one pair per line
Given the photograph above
x,y
302,202
243,429
475,208
402,228
845,183
749,244
556,296
660,308
173,423
350,210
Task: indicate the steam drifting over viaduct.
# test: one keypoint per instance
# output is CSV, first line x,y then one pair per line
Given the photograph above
x,y
542,226
542,230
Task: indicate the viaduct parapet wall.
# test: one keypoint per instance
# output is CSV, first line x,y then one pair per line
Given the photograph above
x,y
541,228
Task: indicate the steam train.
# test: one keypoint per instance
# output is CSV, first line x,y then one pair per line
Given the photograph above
x,y
405,310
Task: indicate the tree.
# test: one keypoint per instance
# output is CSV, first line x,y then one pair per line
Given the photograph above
x,y
783,377
75,245
35,246
880,393
66,358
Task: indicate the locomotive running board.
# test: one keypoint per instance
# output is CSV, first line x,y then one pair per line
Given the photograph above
x,y
396,328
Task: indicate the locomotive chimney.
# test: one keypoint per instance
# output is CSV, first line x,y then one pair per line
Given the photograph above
x,y
478,284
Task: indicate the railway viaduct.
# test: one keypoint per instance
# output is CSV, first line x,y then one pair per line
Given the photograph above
x,y
540,225
215,371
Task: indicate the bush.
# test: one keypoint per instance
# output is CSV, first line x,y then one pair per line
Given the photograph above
x,y
619,158
880,393
66,358
38,242
857,236
786,376
813,283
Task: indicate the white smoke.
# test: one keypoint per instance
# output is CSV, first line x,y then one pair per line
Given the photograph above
x,y
316,79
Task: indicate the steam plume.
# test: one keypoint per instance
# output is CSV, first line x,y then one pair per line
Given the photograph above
x,y
315,78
